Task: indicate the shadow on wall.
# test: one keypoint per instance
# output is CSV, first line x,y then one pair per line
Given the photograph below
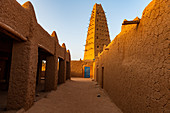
x,y
75,74
23,46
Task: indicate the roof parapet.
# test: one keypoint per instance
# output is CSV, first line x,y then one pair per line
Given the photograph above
x,y
28,5
68,51
54,35
63,45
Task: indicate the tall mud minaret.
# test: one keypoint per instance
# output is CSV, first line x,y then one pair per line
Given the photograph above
x,y
98,33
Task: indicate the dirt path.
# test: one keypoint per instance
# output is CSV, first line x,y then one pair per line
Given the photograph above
x,y
77,95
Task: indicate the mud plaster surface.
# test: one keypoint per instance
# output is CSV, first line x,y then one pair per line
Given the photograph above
x,y
136,65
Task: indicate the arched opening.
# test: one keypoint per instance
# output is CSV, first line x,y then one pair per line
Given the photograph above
x,y
6,44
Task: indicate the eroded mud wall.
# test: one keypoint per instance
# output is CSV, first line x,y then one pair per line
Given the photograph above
x,y
136,64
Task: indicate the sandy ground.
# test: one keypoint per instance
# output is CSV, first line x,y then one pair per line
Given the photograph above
x,y
78,95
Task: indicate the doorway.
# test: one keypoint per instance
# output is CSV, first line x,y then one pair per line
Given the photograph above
x,y
102,77
6,44
41,73
61,70
86,72
97,74
67,70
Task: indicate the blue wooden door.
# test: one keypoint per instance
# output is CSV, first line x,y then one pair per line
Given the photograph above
x,y
87,72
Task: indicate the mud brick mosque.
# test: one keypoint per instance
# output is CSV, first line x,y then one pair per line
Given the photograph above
x,y
134,68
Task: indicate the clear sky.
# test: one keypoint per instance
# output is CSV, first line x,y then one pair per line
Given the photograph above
x,y
70,18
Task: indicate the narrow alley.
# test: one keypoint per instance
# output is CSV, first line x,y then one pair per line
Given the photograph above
x,y
78,95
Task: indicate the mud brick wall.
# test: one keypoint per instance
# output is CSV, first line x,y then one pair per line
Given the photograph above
x,y
136,65
77,68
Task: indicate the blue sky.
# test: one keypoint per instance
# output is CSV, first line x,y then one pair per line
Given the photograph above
x,y
70,18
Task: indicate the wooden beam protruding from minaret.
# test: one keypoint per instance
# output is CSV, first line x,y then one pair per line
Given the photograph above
x,y
131,22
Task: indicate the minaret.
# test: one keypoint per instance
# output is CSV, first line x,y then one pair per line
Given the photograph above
x,y
98,33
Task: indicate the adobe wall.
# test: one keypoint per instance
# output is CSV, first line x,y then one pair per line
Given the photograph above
x,y
136,63
19,22
77,68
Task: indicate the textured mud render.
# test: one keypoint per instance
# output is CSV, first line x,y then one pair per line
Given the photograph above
x,y
137,63
76,96
76,68
22,20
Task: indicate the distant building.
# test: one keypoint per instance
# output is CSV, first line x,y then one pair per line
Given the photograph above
x,y
98,33
97,38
